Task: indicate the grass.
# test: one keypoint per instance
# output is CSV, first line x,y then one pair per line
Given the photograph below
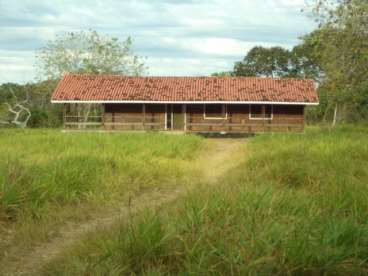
x,y
297,205
47,176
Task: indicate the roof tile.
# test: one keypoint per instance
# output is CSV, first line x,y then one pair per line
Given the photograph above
x,y
76,87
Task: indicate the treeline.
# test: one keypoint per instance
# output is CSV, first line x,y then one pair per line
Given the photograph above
x,y
335,55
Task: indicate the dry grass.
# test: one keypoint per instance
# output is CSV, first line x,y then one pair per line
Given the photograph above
x,y
297,205
51,180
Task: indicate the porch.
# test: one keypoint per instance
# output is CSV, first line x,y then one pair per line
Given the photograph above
x,y
200,118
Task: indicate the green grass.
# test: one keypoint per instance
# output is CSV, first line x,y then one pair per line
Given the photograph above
x,y
46,174
297,205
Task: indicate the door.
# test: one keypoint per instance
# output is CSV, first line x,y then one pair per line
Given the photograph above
x,y
177,117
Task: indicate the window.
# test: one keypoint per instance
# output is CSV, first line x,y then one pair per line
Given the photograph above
x,y
260,112
215,111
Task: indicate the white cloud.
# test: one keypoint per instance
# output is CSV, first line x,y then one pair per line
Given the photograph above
x,y
192,67
16,66
193,37
221,46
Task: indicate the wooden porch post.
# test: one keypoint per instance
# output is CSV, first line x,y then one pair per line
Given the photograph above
x,y
113,119
172,116
78,115
64,115
185,117
264,117
165,116
103,116
144,115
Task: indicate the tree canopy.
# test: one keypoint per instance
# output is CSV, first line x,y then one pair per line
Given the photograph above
x,y
340,46
267,62
87,52
223,74
335,55
278,62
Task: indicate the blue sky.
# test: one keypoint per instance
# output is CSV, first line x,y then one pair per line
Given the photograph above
x,y
176,37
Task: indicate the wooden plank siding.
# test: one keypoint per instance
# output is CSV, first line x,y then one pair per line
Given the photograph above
x,y
285,118
134,117
158,117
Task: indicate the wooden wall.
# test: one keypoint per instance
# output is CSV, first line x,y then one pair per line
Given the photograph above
x,y
284,118
134,117
152,117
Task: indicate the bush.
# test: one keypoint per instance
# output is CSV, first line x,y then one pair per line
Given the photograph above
x,y
39,118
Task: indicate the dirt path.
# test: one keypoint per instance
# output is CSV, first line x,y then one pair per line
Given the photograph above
x,y
219,156
222,155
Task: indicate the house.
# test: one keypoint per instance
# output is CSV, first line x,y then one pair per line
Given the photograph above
x,y
189,104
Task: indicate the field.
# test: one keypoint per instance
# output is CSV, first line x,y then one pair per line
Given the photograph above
x,y
292,204
49,178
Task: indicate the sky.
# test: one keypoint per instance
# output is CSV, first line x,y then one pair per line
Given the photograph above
x,y
175,37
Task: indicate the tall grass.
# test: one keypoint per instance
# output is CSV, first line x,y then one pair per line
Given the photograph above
x,y
40,169
297,205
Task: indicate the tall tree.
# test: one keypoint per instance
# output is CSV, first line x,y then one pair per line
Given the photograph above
x,y
303,63
87,52
341,46
265,62
278,62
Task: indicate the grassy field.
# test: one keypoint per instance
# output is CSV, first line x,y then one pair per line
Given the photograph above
x,y
296,204
48,177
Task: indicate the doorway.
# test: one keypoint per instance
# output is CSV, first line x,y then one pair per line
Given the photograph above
x,y
175,117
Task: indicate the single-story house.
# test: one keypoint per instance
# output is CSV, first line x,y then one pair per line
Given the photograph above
x,y
188,104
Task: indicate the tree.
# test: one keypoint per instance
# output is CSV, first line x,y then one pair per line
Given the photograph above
x,y
303,63
90,53
223,74
38,94
87,52
341,46
279,62
264,62
18,113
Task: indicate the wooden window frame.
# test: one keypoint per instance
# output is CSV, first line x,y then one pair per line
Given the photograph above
x,y
258,118
224,112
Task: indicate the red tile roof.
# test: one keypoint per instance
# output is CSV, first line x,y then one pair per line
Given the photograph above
x,y
101,88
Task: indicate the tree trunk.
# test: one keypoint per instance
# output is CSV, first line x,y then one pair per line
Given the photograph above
x,y
335,117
